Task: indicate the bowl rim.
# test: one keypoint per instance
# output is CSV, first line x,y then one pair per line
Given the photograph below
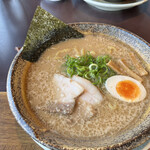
x,y
19,118
114,5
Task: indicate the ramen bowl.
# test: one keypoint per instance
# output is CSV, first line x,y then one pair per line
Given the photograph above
x,y
130,137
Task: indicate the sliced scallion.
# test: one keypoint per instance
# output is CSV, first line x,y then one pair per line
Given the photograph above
x,y
93,67
89,67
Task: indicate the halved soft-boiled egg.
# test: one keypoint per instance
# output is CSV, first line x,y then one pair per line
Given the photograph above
x,y
125,88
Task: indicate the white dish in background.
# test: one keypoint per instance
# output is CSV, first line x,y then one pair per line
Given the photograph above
x,y
101,4
54,0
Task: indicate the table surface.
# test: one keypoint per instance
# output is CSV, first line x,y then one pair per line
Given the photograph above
x,y
12,136
15,18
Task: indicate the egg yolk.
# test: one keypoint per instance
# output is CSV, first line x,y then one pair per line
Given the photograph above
x,y
128,89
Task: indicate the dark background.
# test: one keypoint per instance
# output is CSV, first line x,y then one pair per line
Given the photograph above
x,y
16,15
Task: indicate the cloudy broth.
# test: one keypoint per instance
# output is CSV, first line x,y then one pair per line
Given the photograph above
x,y
112,115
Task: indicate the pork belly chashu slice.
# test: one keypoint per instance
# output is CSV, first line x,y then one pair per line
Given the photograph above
x,y
91,94
88,100
68,91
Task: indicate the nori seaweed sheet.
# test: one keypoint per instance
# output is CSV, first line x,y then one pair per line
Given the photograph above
x,y
44,31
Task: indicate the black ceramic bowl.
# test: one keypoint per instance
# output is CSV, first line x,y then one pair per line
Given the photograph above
x,y
129,138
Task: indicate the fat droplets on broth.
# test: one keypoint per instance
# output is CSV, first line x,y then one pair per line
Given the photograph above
x,y
112,115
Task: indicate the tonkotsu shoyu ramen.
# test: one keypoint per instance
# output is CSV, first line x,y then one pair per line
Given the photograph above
x,y
87,87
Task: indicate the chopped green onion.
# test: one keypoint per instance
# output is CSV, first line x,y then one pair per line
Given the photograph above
x,y
87,75
93,67
88,67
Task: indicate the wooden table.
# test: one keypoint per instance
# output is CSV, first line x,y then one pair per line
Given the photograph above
x,y
15,18
12,136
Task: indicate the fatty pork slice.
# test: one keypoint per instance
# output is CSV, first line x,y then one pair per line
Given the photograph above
x,y
69,90
91,94
83,111
88,101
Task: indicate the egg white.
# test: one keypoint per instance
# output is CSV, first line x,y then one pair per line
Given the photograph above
x,y
112,82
